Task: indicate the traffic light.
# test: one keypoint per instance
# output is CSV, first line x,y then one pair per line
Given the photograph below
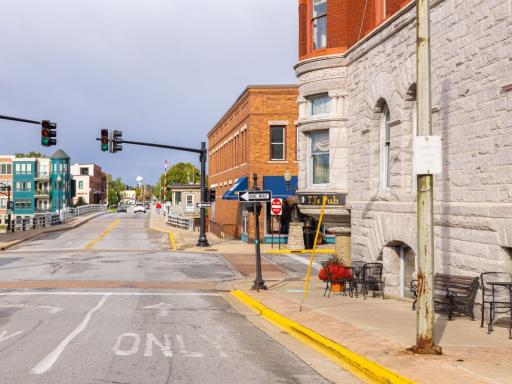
x,y
104,140
116,141
48,133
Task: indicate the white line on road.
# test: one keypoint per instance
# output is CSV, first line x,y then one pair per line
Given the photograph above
x,y
45,364
304,261
39,293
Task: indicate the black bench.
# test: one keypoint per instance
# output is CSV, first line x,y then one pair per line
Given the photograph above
x,y
452,293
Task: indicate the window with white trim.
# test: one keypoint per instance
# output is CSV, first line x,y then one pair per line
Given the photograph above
x,y
277,137
319,157
385,148
189,202
320,104
5,169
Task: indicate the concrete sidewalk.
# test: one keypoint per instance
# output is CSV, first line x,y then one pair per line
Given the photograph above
x,y
8,240
382,330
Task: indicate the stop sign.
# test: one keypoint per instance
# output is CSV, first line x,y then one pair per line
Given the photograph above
x,y
276,206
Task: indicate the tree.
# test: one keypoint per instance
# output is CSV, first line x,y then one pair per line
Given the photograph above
x,y
80,201
31,154
115,187
179,173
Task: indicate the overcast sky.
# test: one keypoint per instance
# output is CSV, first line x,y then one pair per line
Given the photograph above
x,y
159,70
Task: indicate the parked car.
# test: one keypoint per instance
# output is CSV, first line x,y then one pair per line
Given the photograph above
x,y
139,207
121,208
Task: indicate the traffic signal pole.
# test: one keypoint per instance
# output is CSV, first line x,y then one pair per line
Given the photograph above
x,y
47,129
203,241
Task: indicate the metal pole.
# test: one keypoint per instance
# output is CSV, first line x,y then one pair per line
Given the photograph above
x,y
259,283
203,242
425,229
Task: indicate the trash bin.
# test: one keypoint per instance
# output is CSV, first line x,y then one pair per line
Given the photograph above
x,y
309,238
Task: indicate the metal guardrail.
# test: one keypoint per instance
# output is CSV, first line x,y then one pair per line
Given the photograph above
x,y
50,219
180,222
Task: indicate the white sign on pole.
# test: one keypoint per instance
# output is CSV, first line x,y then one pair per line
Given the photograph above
x,y
276,207
427,155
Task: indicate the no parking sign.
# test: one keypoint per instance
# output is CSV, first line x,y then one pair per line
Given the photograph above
x,y
276,206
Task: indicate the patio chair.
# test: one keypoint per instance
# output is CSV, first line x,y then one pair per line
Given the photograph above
x,y
501,295
357,275
372,279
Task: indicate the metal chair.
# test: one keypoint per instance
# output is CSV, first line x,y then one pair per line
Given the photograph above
x,y
372,278
501,296
357,275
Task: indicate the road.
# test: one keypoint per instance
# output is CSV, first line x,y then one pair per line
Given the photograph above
x,y
108,302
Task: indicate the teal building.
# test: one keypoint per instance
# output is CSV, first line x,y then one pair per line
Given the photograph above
x,y
60,180
24,186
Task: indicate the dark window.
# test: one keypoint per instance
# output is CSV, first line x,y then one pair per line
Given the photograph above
x,y
276,143
84,171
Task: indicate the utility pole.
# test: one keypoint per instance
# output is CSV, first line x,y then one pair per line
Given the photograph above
x,y
425,202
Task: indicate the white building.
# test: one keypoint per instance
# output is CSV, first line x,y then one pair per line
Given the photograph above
x,y
90,183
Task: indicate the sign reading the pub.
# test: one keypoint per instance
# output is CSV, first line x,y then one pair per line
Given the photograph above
x,y
333,199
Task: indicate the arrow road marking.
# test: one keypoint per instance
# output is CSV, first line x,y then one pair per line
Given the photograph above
x,y
163,307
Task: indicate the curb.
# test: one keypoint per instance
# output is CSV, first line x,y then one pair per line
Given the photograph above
x,y
50,230
285,251
356,364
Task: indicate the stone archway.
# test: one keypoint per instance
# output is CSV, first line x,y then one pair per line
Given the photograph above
x,y
399,262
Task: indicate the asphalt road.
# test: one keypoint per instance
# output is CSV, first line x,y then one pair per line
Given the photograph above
x,y
76,332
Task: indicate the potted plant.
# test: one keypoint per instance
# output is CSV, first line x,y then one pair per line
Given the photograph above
x,y
333,271
292,202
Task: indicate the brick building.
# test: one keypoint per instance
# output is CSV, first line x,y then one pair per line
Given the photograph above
x,y
357,120
256,135
6,178
90,183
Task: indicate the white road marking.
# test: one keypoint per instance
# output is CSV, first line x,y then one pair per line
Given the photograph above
x,y
3,336
39,293
127,352
163,307
183,350
304,261
45,364
50,308
165,347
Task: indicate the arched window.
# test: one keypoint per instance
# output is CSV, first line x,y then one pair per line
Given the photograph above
x,y
385,148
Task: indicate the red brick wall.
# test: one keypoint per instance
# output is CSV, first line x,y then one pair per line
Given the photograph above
x,y
234,153
343,23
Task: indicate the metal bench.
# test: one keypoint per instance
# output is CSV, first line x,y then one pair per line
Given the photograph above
x,y
452,293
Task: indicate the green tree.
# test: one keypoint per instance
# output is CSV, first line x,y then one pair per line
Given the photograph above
x,y
80,201
115,187
179,173
31,154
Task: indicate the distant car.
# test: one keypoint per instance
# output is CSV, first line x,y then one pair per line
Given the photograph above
x,y
139,207
121,208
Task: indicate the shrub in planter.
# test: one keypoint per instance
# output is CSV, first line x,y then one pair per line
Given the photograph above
x,y
334,270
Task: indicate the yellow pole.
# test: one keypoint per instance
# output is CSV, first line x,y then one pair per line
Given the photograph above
x,y
313,251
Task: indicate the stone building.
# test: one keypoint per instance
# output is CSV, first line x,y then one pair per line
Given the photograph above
x,y
357,82
256,135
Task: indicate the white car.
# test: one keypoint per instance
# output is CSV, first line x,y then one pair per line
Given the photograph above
x,y
139,208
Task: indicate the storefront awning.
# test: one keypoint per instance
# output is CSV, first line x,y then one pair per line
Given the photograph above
x,y
240,185
278,186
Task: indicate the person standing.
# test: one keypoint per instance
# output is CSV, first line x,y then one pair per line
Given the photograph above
x,y
158,206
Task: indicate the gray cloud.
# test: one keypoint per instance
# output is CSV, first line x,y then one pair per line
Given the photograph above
x,y
164,71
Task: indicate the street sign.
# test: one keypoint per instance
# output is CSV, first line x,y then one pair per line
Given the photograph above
x,y
427,155
253,196
10,205
204,205
276,206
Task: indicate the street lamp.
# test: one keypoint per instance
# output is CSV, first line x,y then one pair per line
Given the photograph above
x,y
59,180
8,205
287,178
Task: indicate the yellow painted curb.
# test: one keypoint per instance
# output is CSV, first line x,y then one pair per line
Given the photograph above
x,y
285,251
356,364
104,234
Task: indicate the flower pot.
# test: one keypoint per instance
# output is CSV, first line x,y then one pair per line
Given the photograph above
x,y
337,287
